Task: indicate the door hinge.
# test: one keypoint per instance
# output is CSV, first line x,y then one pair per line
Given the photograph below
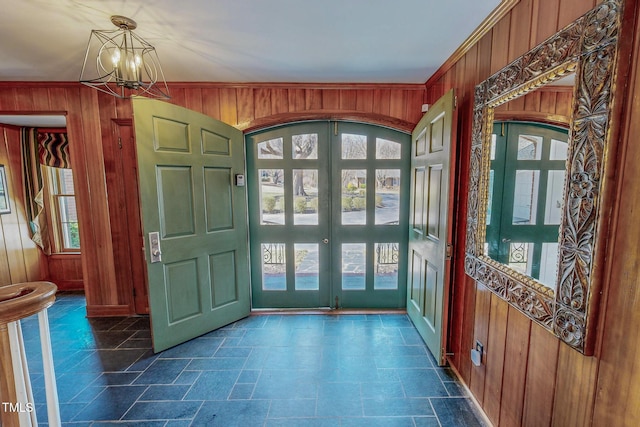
x,y
449,251
335,128
120,143
455,102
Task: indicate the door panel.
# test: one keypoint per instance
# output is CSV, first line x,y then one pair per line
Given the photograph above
x,y
328,209
430,232
187,164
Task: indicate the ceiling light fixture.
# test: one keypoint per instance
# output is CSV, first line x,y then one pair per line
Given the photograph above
x,y
125,64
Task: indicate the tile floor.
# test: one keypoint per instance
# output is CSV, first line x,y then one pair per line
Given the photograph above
x,y
266,370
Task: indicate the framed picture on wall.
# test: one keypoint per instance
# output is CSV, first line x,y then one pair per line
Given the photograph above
x,y
5,207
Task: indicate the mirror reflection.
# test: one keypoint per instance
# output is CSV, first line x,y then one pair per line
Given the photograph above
x,y
525,196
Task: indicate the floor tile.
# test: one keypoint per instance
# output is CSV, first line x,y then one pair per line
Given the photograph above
x,y
266,370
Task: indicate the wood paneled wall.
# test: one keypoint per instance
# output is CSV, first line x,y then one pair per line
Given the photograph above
x,y
93,126
528,377
20,258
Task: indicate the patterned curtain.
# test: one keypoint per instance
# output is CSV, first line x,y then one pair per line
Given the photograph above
x,y
50,149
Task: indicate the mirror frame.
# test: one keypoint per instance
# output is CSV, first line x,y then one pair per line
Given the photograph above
x,y
588,47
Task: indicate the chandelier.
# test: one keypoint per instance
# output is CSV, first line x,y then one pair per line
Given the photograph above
x,y
123,64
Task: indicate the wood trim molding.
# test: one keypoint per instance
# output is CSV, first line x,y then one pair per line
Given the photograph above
x,y
358,116
292,85
498,13
532,116
109,310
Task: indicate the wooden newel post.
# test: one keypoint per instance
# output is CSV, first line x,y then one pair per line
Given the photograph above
x,y
17,407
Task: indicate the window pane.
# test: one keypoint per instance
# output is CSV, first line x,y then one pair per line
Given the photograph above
x,y
354,146
558,150
66,181
525,198
354,196
271,149
274,267
554,200
271,196
306,266
353,266
304,146
69,222
387,196
492,150
520,257
386,266
386,149
529,147
549,264
490,197
305,196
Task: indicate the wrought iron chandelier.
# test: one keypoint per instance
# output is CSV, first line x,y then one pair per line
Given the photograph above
x,y
121,63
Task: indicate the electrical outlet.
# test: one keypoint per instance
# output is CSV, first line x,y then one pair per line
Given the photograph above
x,y
476,354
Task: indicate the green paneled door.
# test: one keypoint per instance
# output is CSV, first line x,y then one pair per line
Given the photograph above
x,y
430,232
328,214
196,216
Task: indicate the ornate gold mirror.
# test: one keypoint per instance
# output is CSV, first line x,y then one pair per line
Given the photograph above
x,y
587,48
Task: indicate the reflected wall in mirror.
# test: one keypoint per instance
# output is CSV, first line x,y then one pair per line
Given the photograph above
x,y
562,297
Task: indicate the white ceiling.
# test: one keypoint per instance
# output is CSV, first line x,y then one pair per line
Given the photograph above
x,y
323,41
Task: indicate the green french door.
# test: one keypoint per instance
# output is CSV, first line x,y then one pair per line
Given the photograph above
x,y
328,211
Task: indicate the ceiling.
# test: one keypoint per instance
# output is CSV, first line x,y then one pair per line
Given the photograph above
x,y
322,41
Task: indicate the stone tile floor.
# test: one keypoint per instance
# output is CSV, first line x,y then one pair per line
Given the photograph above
x,y
265,370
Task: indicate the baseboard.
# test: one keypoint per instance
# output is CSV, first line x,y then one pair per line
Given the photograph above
x,y
69,285
109,311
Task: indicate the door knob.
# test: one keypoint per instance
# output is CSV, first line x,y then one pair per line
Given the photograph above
x,y
325,241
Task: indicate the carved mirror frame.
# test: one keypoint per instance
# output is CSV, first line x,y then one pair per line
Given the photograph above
x,y
589,48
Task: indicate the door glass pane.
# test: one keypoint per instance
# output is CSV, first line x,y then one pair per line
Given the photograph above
x,y
386,266
490,196
549,264
525,198
271,196
386,149
553,204
492,150
306,277
387,196
558,150
271,149
529,147
354,146
520,257
305,196
353,266
304,146
274,267
354,196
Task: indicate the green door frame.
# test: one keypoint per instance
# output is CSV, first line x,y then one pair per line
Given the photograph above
x,y
329,234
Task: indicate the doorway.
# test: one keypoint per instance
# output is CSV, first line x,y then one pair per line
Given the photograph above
x,y
328,214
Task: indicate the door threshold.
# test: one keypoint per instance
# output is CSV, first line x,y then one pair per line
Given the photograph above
x,y
326,311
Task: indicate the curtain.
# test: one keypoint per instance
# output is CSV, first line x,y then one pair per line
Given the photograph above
x,y
50,149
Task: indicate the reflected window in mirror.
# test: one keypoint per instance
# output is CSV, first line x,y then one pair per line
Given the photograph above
x,y
525,196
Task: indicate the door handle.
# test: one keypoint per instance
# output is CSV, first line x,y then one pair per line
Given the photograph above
x,y
325,240
154,247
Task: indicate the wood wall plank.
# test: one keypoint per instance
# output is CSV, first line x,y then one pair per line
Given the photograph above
x,y
575,389
541,377
514,374
495,354
481,334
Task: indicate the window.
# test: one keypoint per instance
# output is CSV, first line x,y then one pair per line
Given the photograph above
x,y
63,213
